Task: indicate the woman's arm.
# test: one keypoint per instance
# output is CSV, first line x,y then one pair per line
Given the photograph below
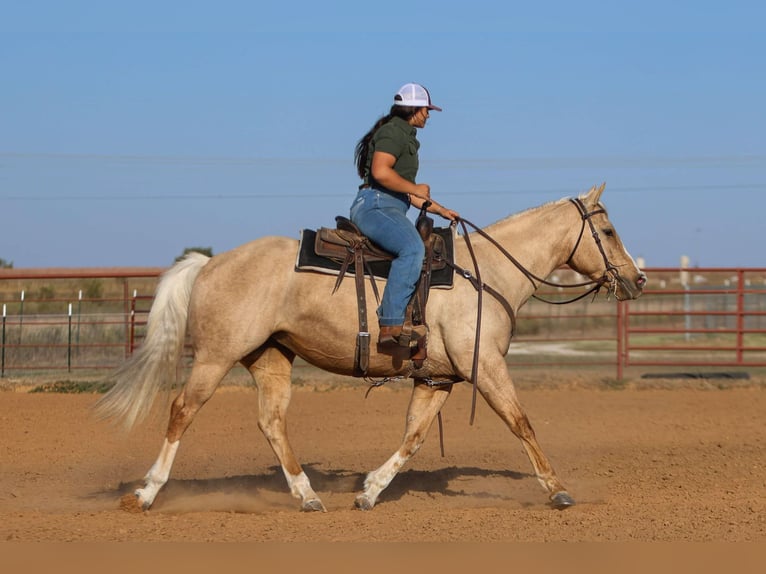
x,y
435,207
383,172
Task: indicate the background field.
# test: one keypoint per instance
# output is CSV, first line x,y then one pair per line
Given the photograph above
x,y
82,323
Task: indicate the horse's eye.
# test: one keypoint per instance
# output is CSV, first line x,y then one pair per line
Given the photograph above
x,y
609,232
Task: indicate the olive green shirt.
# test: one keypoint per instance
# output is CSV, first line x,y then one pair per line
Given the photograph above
x,y
398,138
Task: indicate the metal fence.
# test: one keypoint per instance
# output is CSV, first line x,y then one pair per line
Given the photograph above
x,y
696,318
56,320
90,320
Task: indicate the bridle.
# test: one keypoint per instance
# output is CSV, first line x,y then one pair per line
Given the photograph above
x,y
610,277
611,273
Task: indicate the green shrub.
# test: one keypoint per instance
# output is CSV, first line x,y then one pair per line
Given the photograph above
x,y
73,387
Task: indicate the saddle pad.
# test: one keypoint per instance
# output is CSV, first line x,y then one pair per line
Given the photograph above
x,y
308,260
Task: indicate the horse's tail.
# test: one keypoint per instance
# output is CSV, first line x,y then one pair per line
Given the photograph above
x,y
138,380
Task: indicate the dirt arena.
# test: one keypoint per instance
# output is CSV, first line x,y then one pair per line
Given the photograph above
x,y
643,464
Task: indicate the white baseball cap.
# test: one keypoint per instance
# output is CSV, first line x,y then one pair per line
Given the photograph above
x,y
415,96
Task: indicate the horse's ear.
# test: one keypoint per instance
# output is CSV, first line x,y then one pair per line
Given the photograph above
x,y
594,195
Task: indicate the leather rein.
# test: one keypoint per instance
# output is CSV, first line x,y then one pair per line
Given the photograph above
x,y
610,276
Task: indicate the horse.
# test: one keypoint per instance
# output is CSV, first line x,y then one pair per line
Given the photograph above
x,y
251,306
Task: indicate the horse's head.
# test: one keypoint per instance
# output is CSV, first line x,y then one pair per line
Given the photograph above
x,y
599,252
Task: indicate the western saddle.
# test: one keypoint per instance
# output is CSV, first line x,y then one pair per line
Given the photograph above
x,y
347,244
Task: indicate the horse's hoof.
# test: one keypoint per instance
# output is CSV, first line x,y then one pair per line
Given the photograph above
x,y
363,502
562,500
140,502
313,505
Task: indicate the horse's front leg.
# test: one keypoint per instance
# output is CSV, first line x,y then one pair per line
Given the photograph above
x,y
497,388
425,404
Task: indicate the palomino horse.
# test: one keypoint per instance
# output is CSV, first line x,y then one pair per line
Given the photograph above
x,y
249,305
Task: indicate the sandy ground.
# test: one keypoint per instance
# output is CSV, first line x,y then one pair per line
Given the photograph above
x,y
684,465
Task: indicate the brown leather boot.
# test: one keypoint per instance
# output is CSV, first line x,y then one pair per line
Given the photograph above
x,y
393,335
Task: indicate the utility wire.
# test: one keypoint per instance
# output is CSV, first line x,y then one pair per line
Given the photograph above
x,y
754,187
457,163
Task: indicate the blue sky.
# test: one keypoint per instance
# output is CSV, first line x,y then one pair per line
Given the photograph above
x,y
130,131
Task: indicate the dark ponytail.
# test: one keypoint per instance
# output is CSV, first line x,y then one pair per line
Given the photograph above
x,y
363,146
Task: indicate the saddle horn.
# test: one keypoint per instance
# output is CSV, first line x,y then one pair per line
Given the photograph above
x,y
424,224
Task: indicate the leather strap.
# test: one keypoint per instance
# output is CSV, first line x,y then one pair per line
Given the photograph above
x,y
362,361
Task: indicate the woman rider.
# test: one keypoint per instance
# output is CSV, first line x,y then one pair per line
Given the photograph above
x,y
386,159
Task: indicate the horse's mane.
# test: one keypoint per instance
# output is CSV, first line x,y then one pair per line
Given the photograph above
x,y
528,212
533,210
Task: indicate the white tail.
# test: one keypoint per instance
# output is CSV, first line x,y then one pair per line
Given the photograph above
x,y
154,364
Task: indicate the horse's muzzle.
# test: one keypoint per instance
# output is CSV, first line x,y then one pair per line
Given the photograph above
x,y
631,289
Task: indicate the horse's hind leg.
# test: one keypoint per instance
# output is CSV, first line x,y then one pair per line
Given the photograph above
x,y
425,404
203,381
499,392
271,370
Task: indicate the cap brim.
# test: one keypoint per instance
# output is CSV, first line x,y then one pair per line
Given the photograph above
x,y
432,107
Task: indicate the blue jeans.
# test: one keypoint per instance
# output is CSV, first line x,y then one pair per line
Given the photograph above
x,y
382,217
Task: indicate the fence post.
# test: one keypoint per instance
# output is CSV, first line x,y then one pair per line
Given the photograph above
x,y
740,316
126,315
620,338
133,322
21,314
684,277
79,311
2,362
69,343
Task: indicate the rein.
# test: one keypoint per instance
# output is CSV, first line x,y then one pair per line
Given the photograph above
x,y
480,286
537,281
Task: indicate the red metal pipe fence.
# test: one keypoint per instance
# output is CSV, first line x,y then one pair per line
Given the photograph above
x,y
71,319
712,318
92,319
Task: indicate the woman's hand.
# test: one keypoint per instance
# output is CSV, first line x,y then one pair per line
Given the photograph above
x,y
435,207
446,213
